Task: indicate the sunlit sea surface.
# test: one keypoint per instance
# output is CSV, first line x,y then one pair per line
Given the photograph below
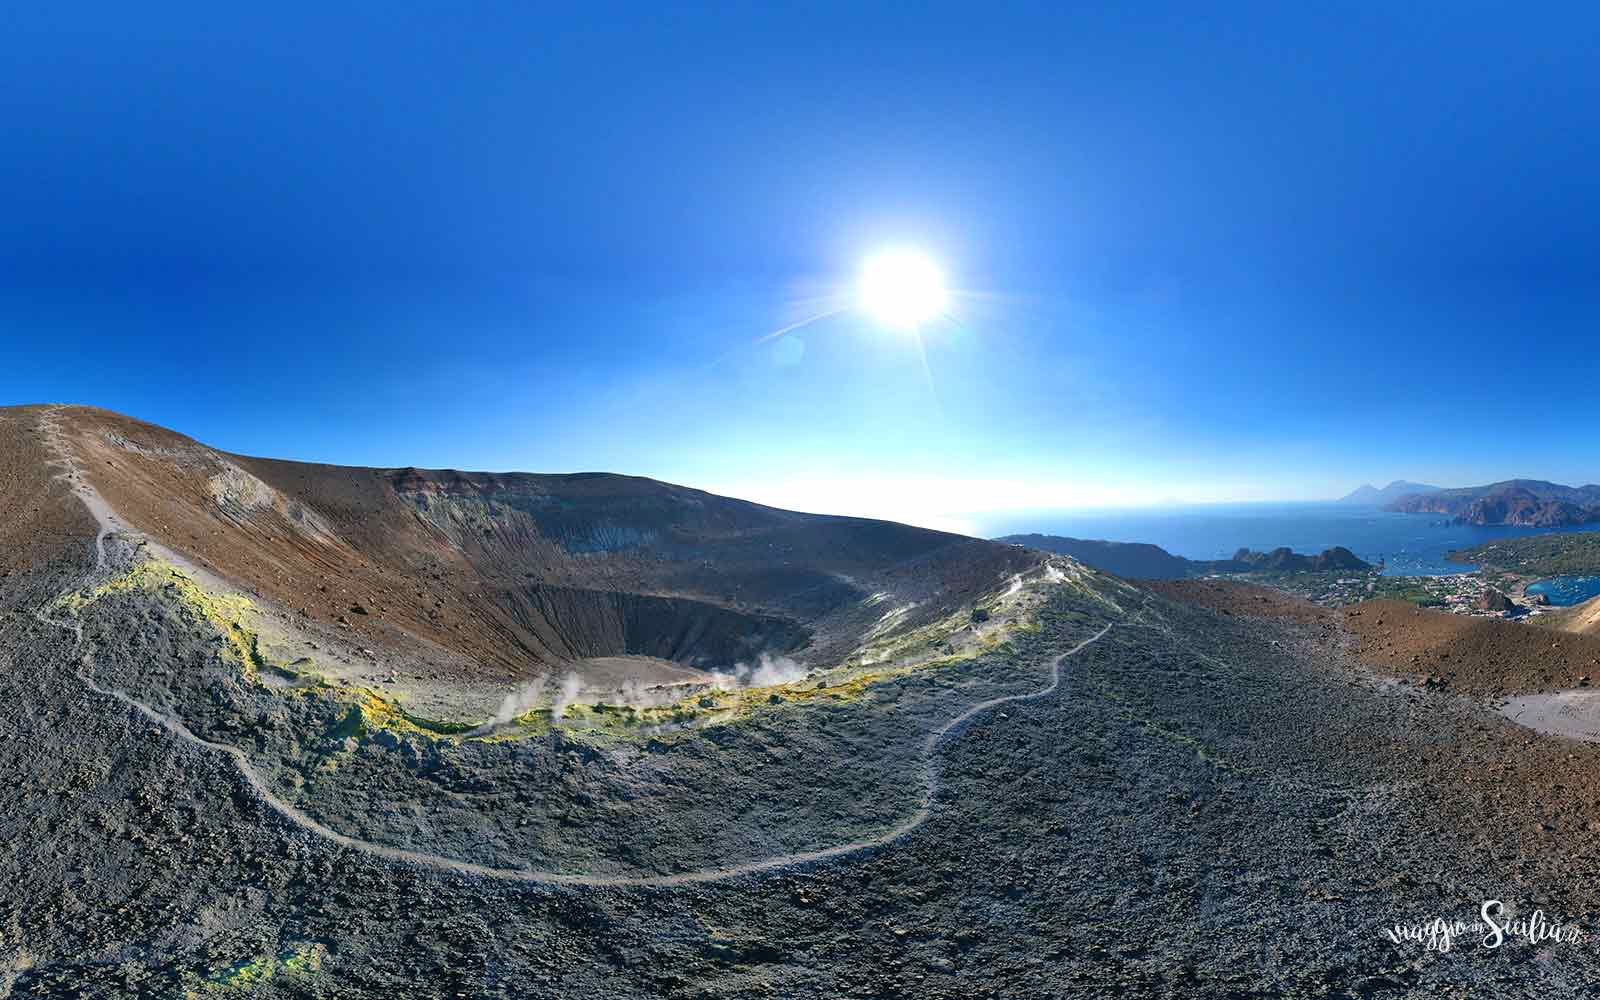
x,y
1409,544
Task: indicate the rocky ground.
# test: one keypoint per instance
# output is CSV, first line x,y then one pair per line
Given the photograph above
x,y
1211,804
804,768
1227,794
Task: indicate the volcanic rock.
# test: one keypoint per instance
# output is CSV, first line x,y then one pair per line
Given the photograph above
x,y
1492,600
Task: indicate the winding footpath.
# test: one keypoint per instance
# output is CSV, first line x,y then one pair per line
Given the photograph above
x,y
110,525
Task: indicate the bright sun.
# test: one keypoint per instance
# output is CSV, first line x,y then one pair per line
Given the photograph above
x,y
902,288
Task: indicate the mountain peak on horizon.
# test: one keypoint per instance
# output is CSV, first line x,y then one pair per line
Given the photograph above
x,y
1368,494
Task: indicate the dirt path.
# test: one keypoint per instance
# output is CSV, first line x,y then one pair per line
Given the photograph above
x,y
111,525
1571,715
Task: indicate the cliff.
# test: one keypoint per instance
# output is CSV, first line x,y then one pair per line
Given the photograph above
x,y
1530,502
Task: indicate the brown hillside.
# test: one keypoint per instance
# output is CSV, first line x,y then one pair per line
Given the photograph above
x,y
1473,655
40,518
521,571
1236,598
1582,618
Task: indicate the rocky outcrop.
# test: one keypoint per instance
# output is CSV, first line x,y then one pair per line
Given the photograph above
x,y
1492,600
1521,507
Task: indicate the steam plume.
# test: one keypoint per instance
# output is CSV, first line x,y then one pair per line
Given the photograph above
x,y
767,671
570,686
514,704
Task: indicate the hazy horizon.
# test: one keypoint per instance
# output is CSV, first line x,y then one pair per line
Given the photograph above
x,y
963,506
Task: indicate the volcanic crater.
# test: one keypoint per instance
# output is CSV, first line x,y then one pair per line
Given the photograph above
x,y
472,665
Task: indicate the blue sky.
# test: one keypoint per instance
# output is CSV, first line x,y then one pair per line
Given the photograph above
x,y
1240,252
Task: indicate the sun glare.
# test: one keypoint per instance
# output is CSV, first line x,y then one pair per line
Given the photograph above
x,y
902,288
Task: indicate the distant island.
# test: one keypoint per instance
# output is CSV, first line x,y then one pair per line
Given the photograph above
x,y
1367,495
1530,502
1143,561
1284,560
1133,560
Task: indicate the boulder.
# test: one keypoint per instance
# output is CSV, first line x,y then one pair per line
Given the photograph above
x,y
1492,600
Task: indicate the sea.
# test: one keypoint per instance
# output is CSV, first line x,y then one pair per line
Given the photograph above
x,y
1408,544
1564,591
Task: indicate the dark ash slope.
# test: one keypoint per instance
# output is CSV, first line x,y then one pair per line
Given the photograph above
x,y
1210,804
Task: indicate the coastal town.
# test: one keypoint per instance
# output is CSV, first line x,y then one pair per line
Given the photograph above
x,y
1512,579
1478,593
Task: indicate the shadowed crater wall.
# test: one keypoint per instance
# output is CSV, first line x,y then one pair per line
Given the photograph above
x,y
573,623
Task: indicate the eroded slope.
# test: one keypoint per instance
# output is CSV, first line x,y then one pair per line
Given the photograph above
x,y
490,579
